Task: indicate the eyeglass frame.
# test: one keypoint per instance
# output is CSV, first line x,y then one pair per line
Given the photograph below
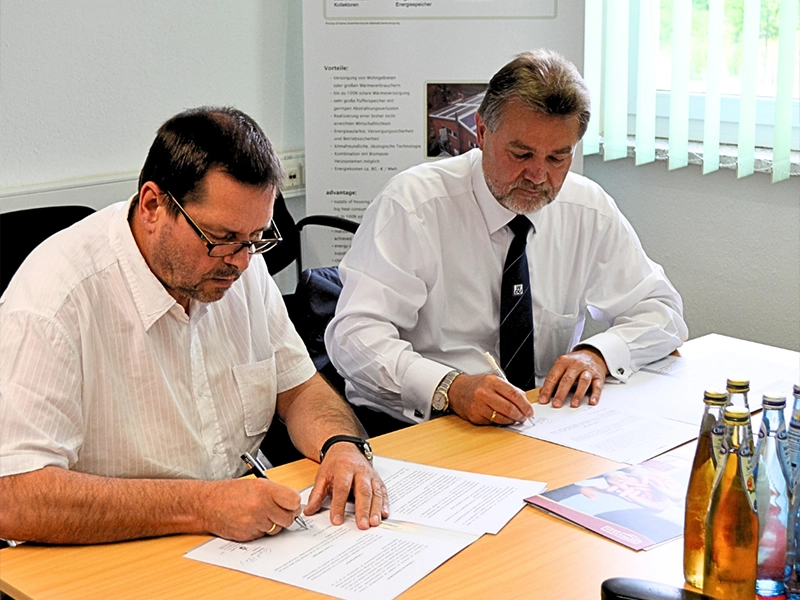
x,y
210,246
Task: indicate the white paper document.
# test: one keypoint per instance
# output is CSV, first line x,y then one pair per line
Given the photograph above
x,y
713,371
434,514
453,500
620,434
341,561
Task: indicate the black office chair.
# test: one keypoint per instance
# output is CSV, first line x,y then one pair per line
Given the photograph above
x,y
290,249
22,230
626,588
310,307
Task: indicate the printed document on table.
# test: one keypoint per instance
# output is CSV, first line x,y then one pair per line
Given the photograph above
x,y
341,561
713,371
449,499
623,435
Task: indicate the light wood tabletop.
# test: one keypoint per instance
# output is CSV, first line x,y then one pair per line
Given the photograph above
x,y
535,555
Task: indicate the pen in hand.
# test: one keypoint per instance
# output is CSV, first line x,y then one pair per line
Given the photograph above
x,y
499,372
259,471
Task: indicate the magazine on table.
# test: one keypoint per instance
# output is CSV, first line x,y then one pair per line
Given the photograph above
x,y
640,506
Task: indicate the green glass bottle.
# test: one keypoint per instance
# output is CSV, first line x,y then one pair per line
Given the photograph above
x,y
701,480
731,548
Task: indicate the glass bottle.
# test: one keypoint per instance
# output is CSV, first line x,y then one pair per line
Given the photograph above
x,y
737,393
698,491
772,497
794,437
729,569
792,572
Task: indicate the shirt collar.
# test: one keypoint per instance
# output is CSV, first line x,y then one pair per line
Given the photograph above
x,y
495,214
149,295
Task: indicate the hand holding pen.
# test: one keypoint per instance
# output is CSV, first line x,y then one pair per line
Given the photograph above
x,y
259,471
499,372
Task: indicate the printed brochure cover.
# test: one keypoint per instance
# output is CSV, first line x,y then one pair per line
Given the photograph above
x,y
640,506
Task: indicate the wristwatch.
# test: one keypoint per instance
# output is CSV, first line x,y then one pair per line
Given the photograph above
x,y
361,444
441,400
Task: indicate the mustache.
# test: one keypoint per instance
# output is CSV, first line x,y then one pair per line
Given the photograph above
x,y
532,187
224,274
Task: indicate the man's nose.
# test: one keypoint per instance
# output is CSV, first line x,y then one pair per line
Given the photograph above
x,y
240,260
536,171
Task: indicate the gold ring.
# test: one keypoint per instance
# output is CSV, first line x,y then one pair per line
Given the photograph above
x,y
271,529
494,414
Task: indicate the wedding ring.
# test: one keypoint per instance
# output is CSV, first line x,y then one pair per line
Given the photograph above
x,y
494,414
271,529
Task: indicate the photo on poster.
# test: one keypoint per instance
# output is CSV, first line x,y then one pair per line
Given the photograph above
x,y
450,117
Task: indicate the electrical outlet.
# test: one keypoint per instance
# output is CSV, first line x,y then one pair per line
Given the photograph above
x,y
293,165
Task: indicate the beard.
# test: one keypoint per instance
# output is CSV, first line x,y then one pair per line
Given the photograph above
x,y
522,197
178,273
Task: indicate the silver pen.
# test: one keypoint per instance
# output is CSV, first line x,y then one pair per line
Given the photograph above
x,y
259,471
499,372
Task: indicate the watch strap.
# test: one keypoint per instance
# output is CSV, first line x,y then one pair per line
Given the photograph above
x,y
362,444
443,391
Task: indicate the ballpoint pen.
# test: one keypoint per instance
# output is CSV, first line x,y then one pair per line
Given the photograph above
x,y
499,372
259,471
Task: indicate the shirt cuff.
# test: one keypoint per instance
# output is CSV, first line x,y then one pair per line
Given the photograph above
x,y
418,385
615,352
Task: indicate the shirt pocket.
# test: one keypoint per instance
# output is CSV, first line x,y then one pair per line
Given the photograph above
x,y
554,335
256,383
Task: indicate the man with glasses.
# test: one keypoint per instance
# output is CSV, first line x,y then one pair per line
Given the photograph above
x,y
142,354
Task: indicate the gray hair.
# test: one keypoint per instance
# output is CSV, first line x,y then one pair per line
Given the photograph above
x,y
542,80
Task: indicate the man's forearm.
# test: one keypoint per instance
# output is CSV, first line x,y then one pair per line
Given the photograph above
x,y
58,506
313,413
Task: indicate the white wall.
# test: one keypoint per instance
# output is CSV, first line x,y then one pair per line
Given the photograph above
x,y
731,246
85,83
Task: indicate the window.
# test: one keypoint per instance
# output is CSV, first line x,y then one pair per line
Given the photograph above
x,y
692,76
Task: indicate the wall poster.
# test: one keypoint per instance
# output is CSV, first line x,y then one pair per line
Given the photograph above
x,y
390,84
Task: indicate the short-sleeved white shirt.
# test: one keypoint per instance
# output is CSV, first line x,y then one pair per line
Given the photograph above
x,y
103,372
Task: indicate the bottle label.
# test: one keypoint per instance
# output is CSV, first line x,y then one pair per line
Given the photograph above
x,y
747,464
717,438
793,448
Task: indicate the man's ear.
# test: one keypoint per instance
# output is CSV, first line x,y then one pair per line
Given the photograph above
x,y
151,206
480,130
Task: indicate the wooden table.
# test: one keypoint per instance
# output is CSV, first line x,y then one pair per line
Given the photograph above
x,y
534,551
535,555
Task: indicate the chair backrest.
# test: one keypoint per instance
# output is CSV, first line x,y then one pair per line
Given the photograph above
x,y
311,308
288,250
22,230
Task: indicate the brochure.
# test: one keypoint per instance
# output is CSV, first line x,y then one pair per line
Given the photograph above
x,y
640,506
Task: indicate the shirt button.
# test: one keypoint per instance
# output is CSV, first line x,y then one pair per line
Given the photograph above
x,y
219,448
621,371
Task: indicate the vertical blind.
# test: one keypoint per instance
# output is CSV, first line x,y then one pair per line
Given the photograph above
x,y
611,24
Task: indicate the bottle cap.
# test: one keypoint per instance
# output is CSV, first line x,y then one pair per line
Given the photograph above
x,y
738,386
773,401
796,390
736,415
715,397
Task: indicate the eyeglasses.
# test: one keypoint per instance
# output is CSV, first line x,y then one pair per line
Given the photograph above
x,y
270,238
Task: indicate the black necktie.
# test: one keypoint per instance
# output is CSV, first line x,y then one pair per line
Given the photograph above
x,y
516,310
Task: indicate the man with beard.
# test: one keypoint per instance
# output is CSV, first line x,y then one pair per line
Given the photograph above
x,y
422,303
142,353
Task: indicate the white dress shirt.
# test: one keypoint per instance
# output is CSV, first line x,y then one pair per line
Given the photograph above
x,y
422,286
103,372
